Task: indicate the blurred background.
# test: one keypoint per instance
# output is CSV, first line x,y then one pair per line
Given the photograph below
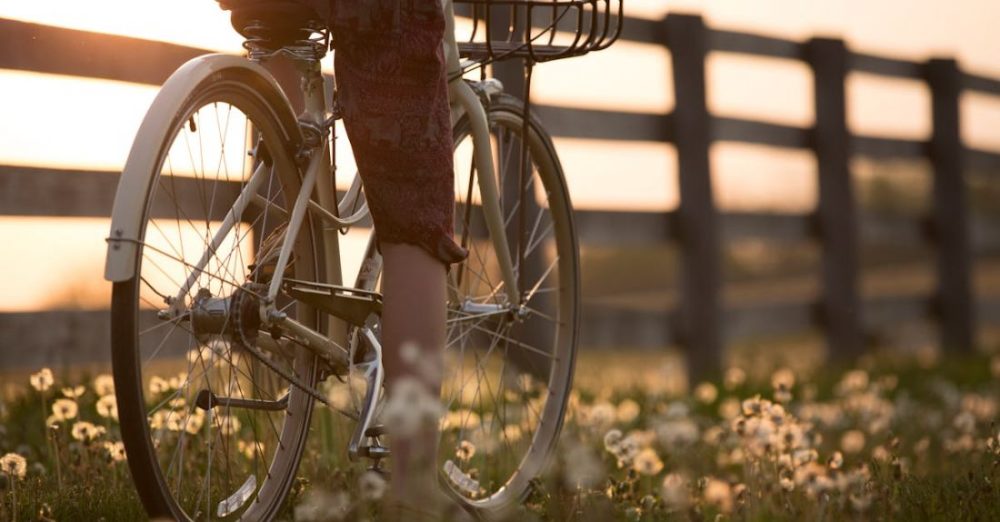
x,y
891,258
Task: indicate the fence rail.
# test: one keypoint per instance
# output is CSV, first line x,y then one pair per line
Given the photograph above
x,y
703,322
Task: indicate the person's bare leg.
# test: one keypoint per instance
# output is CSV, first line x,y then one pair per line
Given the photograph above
x,y
413,288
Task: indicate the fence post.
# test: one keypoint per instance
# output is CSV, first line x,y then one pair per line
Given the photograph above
x,y
700,324
836,211
953,301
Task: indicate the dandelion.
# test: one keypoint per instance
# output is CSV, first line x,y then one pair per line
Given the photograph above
x,y
783,378
647,462
107,407
836,460
600,416
706,393
734,378
613,440
786,483
371,486
465,451
74,392
85,432
116,450
512,433
104,384
64,409
14,465
860,502
718,493
42,380
410,407
158,385
729,408
582,467
852,442
675,491
627,411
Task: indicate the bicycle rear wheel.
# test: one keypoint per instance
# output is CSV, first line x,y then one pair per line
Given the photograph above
x,y
211,422
508,371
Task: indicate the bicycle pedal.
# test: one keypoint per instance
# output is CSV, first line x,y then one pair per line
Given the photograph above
x,y
375,431
350,304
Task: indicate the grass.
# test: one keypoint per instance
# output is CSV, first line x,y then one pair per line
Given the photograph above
x,y
891,439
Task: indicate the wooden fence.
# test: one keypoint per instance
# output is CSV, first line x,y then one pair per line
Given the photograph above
x,y
701,324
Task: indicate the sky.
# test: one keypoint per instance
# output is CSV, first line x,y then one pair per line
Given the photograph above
x,y
102,116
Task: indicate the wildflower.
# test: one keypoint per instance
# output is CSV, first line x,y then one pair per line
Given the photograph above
x,y
752,406
881,454
582,467
321,505
783,378
852,381
852,442
965,422
675,491
613,440
600,416
676,433
734,377
74,392
64,409
836,460
861,502
410,407
195,421
465,451
371,486
42,380
249,449
104,384
158,385
512,433
786,483
921,446
706,393
647,462
719,493
627,411
729,408
85,431
116,450
107,407
14,465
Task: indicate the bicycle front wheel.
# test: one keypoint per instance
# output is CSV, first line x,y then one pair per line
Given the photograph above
x,y
212,423
509,370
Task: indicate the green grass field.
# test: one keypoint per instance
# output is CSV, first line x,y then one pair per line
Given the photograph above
x,y
892,439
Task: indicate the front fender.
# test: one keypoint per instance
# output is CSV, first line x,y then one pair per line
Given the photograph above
x,y
144,159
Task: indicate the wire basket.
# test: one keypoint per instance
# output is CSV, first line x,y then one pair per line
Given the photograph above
x,y
537,30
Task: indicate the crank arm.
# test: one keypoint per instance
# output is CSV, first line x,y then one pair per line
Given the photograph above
x,y
207,400
374,376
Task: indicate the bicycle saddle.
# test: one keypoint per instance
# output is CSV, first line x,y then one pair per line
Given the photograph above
x,y
276,22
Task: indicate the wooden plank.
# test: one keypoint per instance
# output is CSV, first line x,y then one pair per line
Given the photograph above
x,y
747,131
977,159
772,319
954,299
975,82
30,191
41,48
612,326
759,45
883,66
888,312
837,208
892,230
787,228
611,228
569,122
701,308
887,148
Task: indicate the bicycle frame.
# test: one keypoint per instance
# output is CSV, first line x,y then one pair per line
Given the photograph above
x,y
317,193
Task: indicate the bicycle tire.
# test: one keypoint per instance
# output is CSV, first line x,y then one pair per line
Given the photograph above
x,y
270,459
496,487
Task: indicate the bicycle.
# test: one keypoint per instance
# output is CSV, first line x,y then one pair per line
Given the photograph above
x,y
228,307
